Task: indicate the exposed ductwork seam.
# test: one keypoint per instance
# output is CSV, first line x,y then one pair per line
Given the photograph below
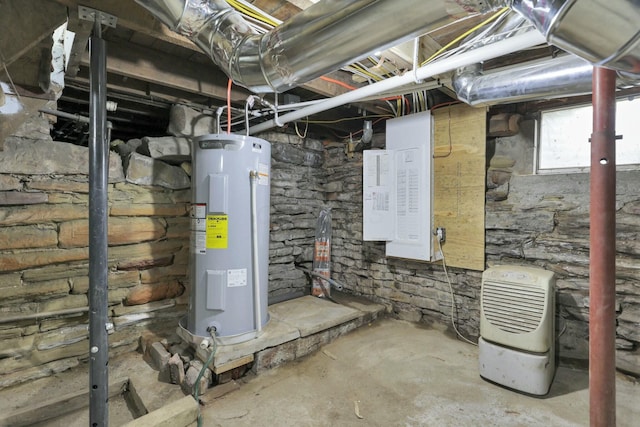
x,y
550,78
404,83
321,39
333,33
566,75
605,33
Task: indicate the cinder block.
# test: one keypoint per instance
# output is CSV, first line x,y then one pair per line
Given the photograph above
x,y
176,369
191,376
159,356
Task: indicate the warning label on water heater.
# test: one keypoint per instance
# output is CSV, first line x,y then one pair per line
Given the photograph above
x,y
236,277
217,231
198,242
263,174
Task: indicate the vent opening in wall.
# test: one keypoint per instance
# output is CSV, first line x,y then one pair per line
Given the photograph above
x,y
517,324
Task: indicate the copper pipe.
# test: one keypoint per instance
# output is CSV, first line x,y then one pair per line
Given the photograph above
x,y
602,290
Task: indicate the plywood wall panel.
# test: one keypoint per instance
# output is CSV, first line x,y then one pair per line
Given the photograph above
x,y
459,183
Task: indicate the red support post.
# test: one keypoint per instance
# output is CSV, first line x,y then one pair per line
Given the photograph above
x,y
602,271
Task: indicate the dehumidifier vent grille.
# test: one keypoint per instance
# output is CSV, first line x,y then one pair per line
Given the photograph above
x,y
513,308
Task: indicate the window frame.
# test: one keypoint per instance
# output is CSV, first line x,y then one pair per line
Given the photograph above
x,y
537,170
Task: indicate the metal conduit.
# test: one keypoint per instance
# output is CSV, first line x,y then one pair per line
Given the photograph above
x,y
318,40
98,268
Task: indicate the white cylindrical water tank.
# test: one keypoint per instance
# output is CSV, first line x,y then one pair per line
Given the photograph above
x,y
225,297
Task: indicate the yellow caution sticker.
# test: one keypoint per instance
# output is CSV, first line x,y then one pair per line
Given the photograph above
x,y
217,231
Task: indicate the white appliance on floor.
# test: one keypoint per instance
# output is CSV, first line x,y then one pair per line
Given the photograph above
x,y
517,328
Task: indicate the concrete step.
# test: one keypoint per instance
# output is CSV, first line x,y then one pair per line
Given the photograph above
x,y
296,328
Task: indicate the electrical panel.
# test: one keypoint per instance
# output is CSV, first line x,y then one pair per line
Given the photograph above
x,y
398,189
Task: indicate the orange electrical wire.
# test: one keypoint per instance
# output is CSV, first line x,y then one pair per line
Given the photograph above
x,y
229,106
338,82
345,85
444,104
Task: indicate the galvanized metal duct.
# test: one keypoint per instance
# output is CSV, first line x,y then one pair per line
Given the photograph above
x,y
566,75
318,40
550,78
605,33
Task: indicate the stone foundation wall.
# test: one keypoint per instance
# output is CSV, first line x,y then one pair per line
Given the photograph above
x,y
297,196
535,220
530,219
44,256
44,242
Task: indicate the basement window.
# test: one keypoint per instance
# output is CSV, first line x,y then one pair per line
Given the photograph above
x,y
563,138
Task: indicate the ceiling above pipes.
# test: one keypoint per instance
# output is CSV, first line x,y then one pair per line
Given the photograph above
x,y
330,48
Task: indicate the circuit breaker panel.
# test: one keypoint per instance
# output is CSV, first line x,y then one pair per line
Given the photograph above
x,y
398,189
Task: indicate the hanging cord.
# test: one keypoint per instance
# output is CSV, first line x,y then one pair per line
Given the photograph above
x,y
15,90
196,388
306,129
446,104
229,106
453,301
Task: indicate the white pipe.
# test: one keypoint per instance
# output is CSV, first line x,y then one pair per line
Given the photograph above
x,y
296,105
503,47
416,60
253,175
219,117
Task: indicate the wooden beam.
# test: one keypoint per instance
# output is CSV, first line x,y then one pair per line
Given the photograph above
x,y
82,30
22,29
139,89
156,67
139,20
134,17
329,88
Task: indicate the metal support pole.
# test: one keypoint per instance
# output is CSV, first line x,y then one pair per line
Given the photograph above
x,y
602,286
98,216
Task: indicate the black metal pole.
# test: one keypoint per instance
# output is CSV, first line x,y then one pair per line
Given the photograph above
x,y
98,216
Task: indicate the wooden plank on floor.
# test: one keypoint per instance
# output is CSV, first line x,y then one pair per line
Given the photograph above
x,y
181,413
58,406
224,367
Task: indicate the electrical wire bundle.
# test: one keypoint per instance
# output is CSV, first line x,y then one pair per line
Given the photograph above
x,y
374,68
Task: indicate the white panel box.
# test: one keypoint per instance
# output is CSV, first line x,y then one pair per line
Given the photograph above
x,y
398,189
378,183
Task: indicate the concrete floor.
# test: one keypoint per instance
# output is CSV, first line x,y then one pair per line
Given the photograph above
x,y
389,373
402,374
